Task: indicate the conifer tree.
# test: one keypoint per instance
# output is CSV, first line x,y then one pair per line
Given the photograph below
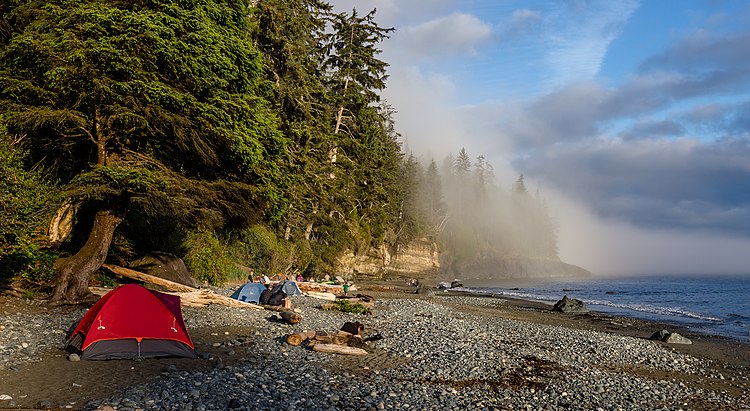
x,y
158,105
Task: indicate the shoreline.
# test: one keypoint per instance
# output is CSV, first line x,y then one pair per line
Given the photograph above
x,y
512,352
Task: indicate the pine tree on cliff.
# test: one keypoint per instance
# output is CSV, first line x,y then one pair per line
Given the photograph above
x,y
157,105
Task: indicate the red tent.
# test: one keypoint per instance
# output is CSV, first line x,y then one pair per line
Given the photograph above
x,y
131,322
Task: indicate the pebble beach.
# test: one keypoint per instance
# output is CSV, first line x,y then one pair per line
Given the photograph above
x,y
436,353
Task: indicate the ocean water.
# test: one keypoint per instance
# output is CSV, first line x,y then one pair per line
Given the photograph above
x,y
714,305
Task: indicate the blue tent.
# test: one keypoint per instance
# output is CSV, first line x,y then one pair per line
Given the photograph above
x,y
249,293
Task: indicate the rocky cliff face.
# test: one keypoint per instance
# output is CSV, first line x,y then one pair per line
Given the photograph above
x,y
419,258
422,259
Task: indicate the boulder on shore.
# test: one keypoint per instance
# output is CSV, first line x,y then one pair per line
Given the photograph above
x,y
167,266
669,337
570,306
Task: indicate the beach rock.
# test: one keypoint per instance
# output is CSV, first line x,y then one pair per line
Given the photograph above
x,y
669,337
167,266
570,305
675,338
44,405
74,357
659,335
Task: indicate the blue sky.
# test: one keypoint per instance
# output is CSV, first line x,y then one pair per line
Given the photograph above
x,y
632,117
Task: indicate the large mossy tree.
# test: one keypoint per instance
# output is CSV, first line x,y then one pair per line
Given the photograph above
x,y
152,104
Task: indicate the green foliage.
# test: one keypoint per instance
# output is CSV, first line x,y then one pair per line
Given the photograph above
x,y
105,280
263,125
158,95
330,241
31,263
347,307
258,247
25,200
206,257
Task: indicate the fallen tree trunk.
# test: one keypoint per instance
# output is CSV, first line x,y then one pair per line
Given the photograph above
x,y
342,338
137,275
298,338
204,297
338,349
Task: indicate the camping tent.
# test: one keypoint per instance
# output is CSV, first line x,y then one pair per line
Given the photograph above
x,y
249,293
132,322
290,288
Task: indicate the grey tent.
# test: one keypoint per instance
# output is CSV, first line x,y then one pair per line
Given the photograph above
x,y
249,293
290,288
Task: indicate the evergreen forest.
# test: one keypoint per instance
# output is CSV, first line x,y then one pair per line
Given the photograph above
x,y
230,134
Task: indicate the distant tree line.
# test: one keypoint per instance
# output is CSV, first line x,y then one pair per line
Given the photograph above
x,y
224,132
460,205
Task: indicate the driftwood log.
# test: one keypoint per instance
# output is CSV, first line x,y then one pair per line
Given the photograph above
x,y
290,317
326,288
137,275
321,295
338,349
298,338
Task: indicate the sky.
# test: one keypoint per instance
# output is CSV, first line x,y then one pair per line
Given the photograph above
x,y
631,117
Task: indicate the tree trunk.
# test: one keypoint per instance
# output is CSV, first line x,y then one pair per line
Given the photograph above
x,y
74,272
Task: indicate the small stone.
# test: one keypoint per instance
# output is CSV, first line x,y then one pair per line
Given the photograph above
x,y
5,397
73,357
44,404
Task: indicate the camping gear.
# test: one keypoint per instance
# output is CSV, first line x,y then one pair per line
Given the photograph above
x,y
249,293
132,322
290,288
273,296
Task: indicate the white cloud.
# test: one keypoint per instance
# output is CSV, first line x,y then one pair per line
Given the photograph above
x,y
455,35
580,36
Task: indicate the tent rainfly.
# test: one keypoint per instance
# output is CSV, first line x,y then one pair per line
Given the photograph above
x,y
132,322
249,292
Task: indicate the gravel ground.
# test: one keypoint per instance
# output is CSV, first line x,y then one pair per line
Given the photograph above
x,y
432,357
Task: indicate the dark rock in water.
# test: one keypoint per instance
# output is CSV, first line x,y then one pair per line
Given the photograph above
x,y
611,292
669,338
570,305
165,265
456,283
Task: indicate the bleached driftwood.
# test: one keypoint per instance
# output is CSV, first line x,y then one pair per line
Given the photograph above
x,y
137,275
204,297
321,295
338,349
325,288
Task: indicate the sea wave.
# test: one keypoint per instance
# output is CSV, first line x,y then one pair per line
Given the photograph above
x,y
643,308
